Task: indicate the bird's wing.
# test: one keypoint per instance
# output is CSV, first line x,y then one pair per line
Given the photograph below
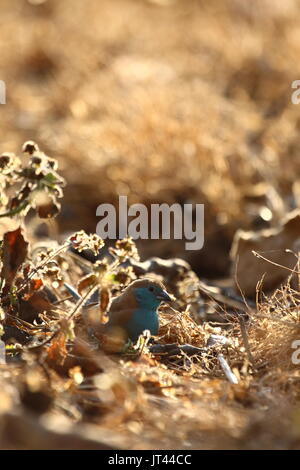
x,y
119,317
121,309
125,301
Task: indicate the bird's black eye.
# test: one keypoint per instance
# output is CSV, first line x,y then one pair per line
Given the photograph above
x,y
151,289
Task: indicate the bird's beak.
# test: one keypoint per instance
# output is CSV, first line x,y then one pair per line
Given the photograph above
x,y
164,296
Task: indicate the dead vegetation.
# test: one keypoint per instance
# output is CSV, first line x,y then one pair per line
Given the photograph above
x,y
186,101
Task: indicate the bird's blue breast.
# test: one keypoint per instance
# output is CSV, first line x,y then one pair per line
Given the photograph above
x,y
142,319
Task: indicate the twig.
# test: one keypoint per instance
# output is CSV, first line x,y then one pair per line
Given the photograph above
x,y
245,339
258,255
36,269
16,210
238,284
82,300
226,369
225,299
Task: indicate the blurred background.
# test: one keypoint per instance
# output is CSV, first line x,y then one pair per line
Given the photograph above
x,y
162,101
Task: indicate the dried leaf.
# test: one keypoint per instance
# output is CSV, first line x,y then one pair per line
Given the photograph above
x,y
57,351
34,285
14,254
104,300
86,282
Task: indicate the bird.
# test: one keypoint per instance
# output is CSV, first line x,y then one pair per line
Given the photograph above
x,y
134,310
